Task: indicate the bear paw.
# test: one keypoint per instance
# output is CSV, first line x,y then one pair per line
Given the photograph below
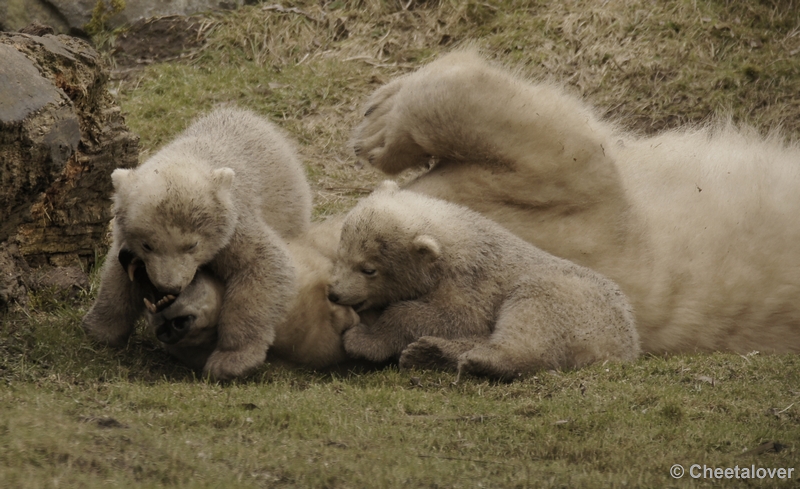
x,y
231,364
484,362
384,137
426,353
359,343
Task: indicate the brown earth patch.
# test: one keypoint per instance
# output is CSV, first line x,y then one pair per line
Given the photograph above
x,y
158,39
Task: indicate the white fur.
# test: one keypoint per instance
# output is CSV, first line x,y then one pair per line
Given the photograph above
x,y
699,226
456,290
224,195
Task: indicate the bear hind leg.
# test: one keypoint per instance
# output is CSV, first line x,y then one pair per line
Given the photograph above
x,y
430,352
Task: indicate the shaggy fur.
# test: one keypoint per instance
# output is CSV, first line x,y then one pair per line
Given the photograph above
x,y
224,195
456,290
310,336
699,227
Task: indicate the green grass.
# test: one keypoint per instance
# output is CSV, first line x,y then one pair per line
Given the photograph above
x,y
73,414
99,418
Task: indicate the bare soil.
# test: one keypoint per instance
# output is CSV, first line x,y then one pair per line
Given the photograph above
x,y
158,39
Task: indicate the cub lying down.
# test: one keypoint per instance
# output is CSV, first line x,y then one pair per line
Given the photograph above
x,y
698,226
458,291
310,336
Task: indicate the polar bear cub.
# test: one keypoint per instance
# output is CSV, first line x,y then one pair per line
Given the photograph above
x,y
224,195
310,336
458,291
698,226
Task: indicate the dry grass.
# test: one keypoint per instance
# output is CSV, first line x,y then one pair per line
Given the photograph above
x,y
649,65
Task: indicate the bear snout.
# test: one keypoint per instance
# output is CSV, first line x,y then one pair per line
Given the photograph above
x,y
172,331
336,299
170,289
170,284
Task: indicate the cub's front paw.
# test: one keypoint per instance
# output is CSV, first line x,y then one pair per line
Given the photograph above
x,y
426,353
359,343
103,332
231,364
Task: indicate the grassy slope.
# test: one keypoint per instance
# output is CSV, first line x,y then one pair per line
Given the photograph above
x,y
76,415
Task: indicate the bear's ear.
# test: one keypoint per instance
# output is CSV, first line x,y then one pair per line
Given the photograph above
x,y
426,245
388,186
222,178
119,177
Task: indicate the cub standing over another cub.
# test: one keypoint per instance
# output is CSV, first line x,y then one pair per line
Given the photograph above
x,y
458,291
311,334
699,227
224,195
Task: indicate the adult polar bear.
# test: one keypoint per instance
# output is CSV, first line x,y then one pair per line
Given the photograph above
x,y
699,227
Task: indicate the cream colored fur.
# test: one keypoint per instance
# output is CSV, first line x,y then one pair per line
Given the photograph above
x,y
458,291
699,227
224,195
311,334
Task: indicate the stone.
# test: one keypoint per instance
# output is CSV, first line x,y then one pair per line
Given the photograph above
x,y
71,16
61,136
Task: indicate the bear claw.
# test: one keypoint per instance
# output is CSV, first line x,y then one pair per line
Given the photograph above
x,y
159,306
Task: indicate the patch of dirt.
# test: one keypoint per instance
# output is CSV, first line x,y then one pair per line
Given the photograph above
x,y
158,39
17,279
13,270
68,281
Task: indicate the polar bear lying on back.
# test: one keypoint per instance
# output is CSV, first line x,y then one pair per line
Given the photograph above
x,y
700,228
458,291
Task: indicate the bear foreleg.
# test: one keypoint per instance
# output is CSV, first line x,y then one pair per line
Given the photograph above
x,y
119,304
260,283
370,343
461,108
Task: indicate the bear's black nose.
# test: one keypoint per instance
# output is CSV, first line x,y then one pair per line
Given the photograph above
x,y
171,332
333,297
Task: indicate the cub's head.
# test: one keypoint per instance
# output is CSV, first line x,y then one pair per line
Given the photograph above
x,y
384,256
176,218
191,318
186,325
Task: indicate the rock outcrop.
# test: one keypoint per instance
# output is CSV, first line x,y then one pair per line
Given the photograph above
x,y
61,136
72,16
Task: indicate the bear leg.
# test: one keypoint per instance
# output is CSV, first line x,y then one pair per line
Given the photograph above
x,y
363,341
462,108
490,361
260,284
119,304
430,352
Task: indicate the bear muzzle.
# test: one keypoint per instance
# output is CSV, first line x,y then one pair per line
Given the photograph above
x,y
174,330
336,299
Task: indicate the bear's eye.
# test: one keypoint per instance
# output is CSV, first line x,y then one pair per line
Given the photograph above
x,y
368,271
147,247
192,247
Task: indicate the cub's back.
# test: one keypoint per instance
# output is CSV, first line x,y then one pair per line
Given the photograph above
x,y
269,174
